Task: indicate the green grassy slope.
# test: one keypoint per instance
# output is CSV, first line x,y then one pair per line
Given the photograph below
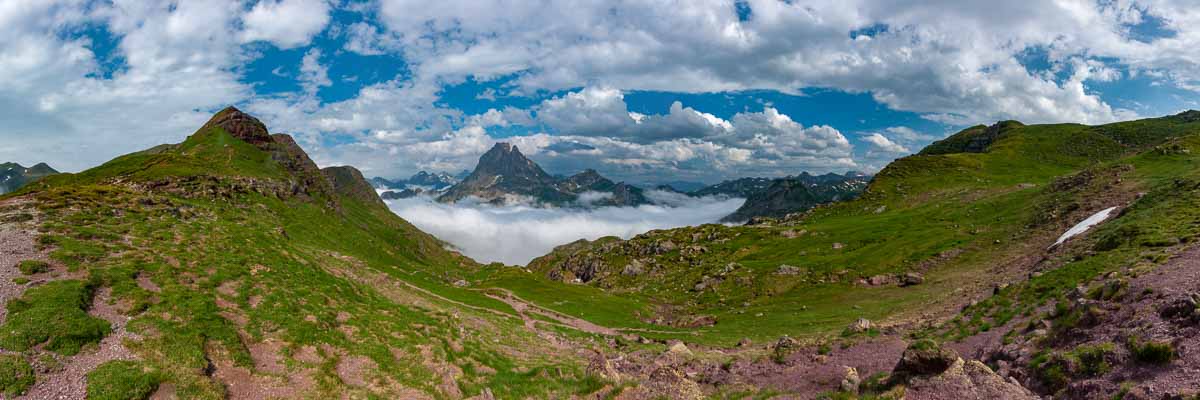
x,y
963,219
221,264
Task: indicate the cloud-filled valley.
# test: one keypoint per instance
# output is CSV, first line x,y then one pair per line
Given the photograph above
x,y
516,234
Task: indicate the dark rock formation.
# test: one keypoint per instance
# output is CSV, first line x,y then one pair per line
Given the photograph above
x,y
348,181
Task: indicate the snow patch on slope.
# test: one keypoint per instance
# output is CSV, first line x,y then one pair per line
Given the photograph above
x,y
1086,224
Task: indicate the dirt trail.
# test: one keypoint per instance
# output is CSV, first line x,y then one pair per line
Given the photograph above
x,y
71,381
16,245
524,308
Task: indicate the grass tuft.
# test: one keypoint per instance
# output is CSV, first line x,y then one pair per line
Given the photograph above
x,y
122,380
54,314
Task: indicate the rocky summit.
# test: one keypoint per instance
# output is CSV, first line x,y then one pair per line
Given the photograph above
x,y
504,175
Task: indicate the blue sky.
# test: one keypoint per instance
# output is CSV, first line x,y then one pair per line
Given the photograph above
x,y
646,92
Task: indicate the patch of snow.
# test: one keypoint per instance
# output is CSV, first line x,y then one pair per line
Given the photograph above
x,y
1086,224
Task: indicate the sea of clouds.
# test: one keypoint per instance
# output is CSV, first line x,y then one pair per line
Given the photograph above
x,y
515,234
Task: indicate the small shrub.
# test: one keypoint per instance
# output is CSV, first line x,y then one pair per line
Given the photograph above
x,y
1151,352
1052,369
30,267
20,280
1093,359
122,380
16,375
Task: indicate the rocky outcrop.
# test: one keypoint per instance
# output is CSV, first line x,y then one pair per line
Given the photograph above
x,y
240,125
966,380
348,181
287,153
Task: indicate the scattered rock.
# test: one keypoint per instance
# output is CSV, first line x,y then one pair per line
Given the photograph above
x,y
461,283
679,349
860,326
880,280
601,367
700,321
851,381
838,245
788,270
745,342
792,234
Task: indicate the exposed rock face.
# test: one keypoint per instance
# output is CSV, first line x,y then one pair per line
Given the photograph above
x,y
13,175
348,181
240,125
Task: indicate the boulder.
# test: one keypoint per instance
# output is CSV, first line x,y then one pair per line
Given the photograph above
x,y
924,357
860,326
788,270
880,280
911,278
851,381
966,381
670,383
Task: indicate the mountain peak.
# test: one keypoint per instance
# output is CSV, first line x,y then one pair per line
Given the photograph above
x,y
505,147
240,125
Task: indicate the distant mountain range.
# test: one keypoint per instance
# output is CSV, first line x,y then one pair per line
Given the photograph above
x,y
504,175
13,175
423,180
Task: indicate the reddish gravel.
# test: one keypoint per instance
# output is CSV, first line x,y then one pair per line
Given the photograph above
x,y
71,381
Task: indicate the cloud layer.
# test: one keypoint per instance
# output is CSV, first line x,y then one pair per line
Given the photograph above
x,y
517,234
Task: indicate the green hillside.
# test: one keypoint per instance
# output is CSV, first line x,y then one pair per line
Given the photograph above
x,y
238,271
963,217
